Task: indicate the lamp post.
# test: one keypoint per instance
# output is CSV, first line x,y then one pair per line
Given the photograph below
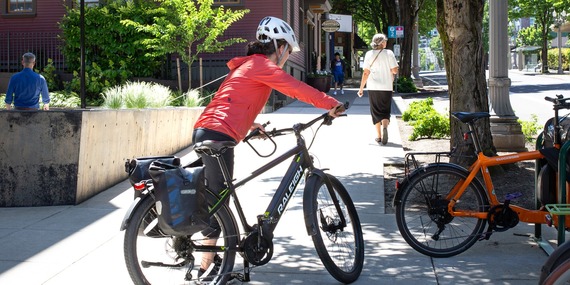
x,y
559,18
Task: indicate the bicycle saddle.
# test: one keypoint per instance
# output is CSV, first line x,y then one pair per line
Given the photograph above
x,y
466,117
215,147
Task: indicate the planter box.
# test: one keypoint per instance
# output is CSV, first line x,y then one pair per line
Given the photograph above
x,y
65,157
322,84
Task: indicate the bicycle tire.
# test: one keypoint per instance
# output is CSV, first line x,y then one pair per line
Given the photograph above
x,y
421,212
157,247
554,263
559,276
340,250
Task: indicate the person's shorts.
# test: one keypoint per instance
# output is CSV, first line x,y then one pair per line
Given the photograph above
x,y
339,77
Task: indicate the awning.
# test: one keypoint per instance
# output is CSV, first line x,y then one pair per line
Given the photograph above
x,y
359,43
529,48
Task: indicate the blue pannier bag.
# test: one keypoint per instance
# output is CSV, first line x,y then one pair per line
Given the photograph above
x,y
180,198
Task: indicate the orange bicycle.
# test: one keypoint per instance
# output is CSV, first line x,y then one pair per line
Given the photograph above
x,y
442,208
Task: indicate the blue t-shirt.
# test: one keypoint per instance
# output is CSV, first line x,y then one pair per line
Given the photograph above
x,y
25,88
338,67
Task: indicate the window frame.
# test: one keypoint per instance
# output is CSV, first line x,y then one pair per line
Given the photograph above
x,y
7,14
226,3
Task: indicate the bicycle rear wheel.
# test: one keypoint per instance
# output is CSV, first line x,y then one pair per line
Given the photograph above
x,y
423,218
155,258
340,246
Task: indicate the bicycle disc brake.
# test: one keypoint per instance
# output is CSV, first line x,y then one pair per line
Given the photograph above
x,y
257,249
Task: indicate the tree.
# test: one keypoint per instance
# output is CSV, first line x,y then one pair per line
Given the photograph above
x,y
541,11
459,23
530,36
189,28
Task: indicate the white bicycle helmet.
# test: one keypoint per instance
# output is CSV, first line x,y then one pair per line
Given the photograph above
x,y
271,28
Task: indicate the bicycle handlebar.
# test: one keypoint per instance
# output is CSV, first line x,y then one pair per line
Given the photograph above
x,y
559,101
297,128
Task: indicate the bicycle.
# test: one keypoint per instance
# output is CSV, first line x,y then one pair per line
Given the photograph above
x,y
442,208
556,269
330,219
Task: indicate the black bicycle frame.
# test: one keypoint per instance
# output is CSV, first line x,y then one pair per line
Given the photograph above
x,y
284,192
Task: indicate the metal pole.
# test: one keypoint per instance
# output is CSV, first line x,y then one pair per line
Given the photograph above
x,y
82,52
559,49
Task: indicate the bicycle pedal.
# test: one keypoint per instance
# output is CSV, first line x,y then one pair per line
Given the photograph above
x,y
512,196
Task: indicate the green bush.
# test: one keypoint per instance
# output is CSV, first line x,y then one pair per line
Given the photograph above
x,y
64,99
431,125
405,85
530,128
553,58
427,122
2,103
417,109
137,95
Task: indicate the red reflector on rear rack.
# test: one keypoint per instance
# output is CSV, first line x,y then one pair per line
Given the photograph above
x,y
139,186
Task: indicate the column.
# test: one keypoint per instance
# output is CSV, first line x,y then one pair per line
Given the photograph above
x,y
505,129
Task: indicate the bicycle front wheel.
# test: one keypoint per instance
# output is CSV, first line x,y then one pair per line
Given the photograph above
x,y
556,269
333,222
422,211
156,258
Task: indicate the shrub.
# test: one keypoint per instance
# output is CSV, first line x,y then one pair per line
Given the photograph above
x,y
64,99
530,128
405,85
192,98
137,95
431,125
427,122
417,109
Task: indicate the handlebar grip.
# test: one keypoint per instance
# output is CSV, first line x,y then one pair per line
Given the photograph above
x,y
549,99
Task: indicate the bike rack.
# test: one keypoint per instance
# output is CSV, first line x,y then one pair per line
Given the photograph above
x,y
562,207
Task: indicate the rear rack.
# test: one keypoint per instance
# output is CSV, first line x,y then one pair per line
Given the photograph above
x,y
411,163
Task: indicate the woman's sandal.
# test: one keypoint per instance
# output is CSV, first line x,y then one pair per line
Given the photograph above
x,y
378,140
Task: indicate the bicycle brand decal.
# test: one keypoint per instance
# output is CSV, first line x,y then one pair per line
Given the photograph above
x,y
292,187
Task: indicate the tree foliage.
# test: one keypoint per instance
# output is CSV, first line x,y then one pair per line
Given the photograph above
x,y
542,12
530,36
188,28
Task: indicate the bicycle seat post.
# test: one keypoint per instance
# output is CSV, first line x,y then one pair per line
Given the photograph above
x,y
475,136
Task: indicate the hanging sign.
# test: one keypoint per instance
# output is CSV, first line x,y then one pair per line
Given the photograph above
x,y
330,26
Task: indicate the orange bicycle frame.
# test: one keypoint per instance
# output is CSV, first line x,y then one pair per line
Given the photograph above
x,y
482,165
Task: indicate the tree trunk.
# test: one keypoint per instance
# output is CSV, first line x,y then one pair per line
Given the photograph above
x,y
407,16
459,23
190,69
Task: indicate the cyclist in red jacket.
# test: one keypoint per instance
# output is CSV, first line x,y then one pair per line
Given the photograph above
x,y
241,97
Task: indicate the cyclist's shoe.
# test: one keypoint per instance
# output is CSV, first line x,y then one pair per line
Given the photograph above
x,y
215,269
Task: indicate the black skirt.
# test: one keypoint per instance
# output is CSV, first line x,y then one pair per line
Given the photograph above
x,y
380,105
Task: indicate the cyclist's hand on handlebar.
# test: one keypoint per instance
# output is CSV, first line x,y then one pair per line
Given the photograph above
x,y
256,131
257,125
337,111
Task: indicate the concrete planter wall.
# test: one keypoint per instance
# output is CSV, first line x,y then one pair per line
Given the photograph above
x,y
65,157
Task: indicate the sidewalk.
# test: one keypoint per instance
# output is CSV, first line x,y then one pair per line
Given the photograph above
x,y
83,245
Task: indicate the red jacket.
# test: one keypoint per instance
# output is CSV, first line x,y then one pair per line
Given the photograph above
x,y
245,91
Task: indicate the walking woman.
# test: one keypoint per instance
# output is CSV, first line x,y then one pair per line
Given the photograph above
x,y
380,69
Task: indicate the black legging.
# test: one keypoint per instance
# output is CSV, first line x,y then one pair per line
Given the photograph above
x,y
213,173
